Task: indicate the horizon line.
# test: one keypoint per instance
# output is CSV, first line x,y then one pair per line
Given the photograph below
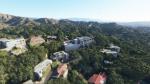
x,y
71,18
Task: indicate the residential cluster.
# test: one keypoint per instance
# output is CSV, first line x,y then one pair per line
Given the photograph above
x,y
43,70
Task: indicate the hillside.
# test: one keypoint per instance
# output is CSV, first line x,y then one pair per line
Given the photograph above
x,y
14,21
136,24
129,67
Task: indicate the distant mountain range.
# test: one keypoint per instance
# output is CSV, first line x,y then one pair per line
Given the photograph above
x,y
129,24
12,21
136,24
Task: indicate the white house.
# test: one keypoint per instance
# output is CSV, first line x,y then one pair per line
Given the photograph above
x,y
9,44
41,67
78,43
61,56
114,48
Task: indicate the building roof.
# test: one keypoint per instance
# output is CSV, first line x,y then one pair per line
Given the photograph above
x,y
78,38
35,40
60,53
52,37
84,38
113,46
108,51
98,78
38,68
6,40
61,69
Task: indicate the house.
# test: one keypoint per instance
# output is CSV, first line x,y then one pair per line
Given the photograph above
x,y
36,40
60,56
110,52
78,43
114,48
40,68
9,44
98,79
52,37
61,71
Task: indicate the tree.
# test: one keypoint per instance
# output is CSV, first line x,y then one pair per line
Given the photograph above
x,y
3,75
114,78
60,35
76,78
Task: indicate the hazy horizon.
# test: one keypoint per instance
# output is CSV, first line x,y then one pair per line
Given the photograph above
x,y
104,10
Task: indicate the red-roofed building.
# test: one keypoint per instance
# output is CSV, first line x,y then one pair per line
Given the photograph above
x,y
62,71
98,79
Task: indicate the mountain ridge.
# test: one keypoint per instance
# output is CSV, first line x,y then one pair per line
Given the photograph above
x,y
8,20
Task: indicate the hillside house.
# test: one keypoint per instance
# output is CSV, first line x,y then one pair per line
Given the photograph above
x,y
60,56
78,43
61,71
41,68
98,79
9,44
51,38
110,52
114,48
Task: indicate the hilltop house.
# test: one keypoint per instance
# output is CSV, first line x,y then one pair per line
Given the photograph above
x,y
40,68
60,56
52,37
98,79
62,71
113,53
9,44
36,40
114,48
77,43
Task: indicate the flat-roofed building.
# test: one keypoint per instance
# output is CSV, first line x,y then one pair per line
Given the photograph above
x,y
114,48
41,67
9,44
78,43
107,51
60,56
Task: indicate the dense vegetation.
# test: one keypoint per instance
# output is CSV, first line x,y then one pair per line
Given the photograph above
x,y
132,65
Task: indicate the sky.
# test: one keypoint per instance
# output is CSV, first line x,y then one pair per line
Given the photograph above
x,y
105,10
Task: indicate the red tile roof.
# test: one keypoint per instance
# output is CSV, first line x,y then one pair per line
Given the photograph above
x,y
98,78
61,69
